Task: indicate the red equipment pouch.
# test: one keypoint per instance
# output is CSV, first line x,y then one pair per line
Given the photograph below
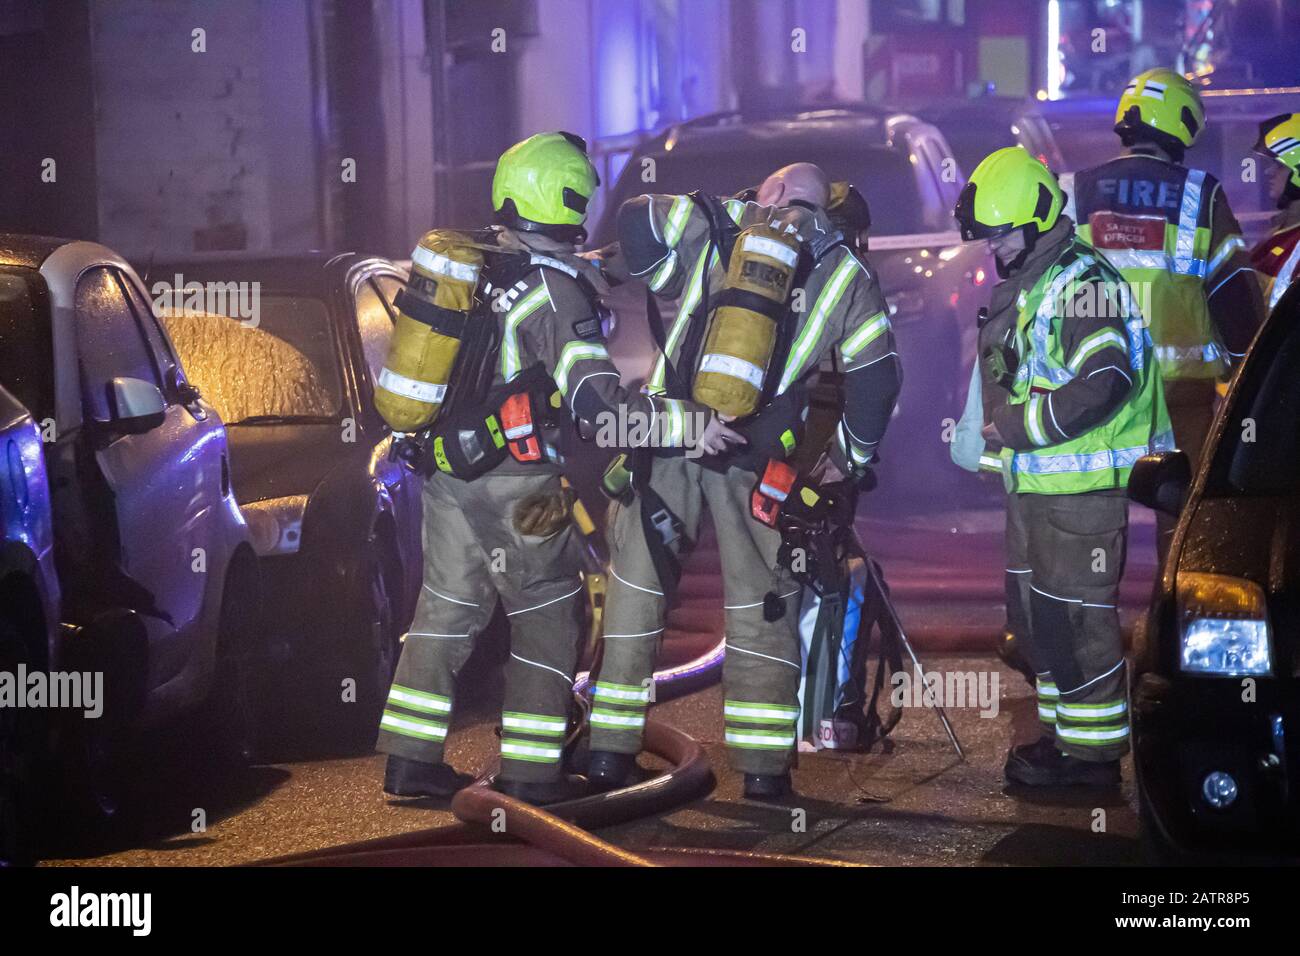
x,y
774,486
520,429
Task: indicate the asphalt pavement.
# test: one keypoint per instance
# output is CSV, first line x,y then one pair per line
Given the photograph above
x,y
909,802
912,802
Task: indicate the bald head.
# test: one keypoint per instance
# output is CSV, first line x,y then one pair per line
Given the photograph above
x,y
802,181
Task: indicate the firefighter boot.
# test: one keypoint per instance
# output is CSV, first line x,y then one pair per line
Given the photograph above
x,y
540,793
609,771
1041,766
1043,745
415,778
767,788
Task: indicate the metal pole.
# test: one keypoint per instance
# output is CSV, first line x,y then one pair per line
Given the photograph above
x,y
916,662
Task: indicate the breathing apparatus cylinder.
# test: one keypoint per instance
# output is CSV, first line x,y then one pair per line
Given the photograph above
x,y
433,309
743,327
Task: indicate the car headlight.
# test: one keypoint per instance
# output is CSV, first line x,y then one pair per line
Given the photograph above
x,y
275,525
1224,626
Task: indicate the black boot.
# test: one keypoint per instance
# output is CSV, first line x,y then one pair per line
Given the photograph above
x,y
541,793
1035,766
1040,749
767,787
415,778
609,771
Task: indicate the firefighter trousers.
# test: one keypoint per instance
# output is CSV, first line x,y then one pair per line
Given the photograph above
x,y
760,674
473,556
1065,557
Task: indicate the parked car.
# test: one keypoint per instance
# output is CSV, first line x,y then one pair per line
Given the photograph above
x,y
976,127
1215,702
335,522
154,562
933,282
29,603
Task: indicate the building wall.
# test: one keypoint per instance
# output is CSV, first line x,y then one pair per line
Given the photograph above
x,y
407,107
181,151
235,146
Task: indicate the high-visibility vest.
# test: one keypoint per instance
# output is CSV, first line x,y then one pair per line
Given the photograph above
x,y
1103,457
1277,260
1151,219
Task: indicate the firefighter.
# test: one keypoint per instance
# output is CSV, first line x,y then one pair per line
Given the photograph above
x,y
1073,397
1277,257
690,248
497,521
1168,228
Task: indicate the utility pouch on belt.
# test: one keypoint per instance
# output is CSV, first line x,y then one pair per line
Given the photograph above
x,y
528,407
1000,363
521,428
617,480
469,445
432,312
780,495
743,325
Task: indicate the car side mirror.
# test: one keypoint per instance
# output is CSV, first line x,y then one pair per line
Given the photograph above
x,y
1161,481
138,406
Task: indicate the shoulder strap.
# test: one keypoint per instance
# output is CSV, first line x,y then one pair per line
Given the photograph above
x,y
811,254
722,229
481,346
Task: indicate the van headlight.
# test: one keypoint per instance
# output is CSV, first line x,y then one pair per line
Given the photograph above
x,y
1223,624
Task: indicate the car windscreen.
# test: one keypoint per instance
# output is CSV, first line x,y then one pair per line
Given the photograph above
x,y
279,367
1259,452
26,350
883,175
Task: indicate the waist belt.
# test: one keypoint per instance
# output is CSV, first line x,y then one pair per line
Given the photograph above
x,y
474,439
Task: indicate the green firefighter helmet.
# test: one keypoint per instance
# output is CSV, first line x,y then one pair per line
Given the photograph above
x,y
1163,107
1279,138
1008,190
544,184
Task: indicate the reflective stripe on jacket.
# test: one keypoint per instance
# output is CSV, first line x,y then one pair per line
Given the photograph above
x,y
840,313
1063,344
1277,259
1168,230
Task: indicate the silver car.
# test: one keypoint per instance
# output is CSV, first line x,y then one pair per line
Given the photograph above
x,y
157,573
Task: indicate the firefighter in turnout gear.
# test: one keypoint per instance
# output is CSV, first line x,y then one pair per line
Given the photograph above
x,y
691,249
1169,230
1277,257
1073,398
497,519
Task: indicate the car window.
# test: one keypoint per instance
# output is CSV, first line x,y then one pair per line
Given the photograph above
x,y
1036,136
110,341
1259,453
26,352
148,319
284,368
375,320
933,155
884,176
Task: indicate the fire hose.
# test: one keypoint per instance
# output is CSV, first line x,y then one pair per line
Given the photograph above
x,y
560,828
